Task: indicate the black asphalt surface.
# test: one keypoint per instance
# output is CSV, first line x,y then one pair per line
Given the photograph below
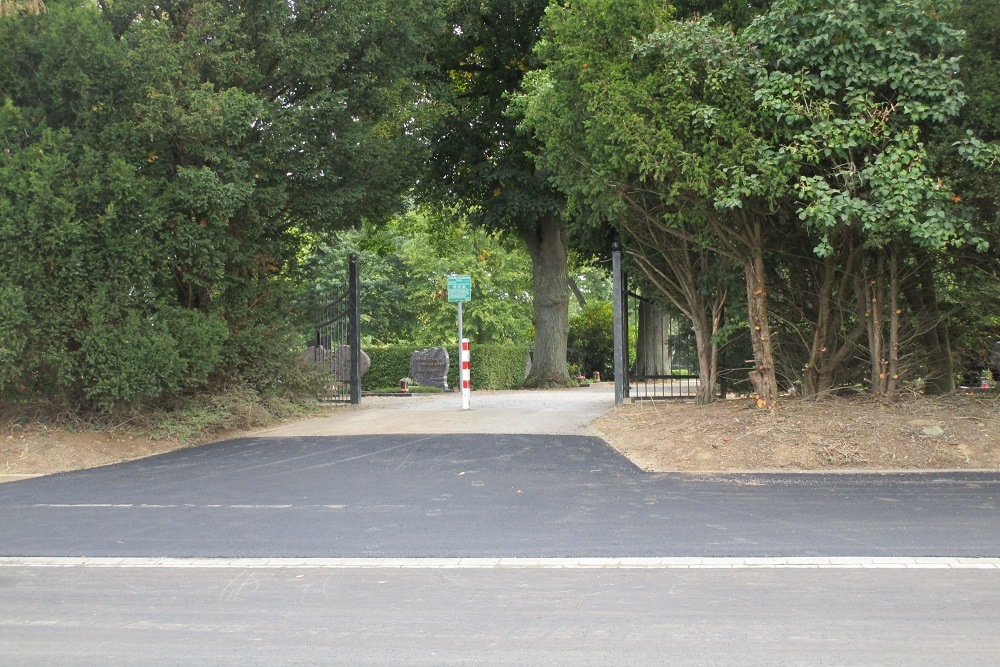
x,y
482,495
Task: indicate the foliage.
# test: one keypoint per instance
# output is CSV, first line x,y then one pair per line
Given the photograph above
x,y
193,418
493,366
159,165
481,163
497,366
390,364
404,267
650,124
849,85
969,279
591,341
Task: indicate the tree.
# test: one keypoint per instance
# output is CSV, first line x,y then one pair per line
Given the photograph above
x,y
967,279
650,123
480,161
404,269
8,7
850,86
159,164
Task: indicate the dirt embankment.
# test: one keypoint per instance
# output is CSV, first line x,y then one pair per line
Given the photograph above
x,y
953,432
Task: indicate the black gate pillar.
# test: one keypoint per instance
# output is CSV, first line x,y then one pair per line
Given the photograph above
x,y
619,317
354,328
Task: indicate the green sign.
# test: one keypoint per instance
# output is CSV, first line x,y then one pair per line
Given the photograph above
x,y
459,288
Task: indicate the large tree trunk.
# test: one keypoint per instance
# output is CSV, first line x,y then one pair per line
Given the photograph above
x,y
652,347
762,377
546,245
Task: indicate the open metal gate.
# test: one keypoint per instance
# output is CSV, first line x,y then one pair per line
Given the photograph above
x,y
675,372
665,361
336,345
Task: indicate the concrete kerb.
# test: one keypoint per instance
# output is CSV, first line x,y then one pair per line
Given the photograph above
x,y
630,563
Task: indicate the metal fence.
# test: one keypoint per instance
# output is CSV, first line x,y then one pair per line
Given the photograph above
x,y
675,373
672,370
336,344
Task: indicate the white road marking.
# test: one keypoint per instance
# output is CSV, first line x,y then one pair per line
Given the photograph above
x,y
145,506
667,563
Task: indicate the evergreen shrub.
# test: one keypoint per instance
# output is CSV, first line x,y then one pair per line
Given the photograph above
x,y
590,346
493,366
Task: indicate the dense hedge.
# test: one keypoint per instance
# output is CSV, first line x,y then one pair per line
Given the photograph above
x,y
498,366
493,366
389,364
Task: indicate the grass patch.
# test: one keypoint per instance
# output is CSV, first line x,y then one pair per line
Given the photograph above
x,y
422,389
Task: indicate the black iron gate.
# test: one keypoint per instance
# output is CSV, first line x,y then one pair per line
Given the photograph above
x,y
336,345
673,371
664,361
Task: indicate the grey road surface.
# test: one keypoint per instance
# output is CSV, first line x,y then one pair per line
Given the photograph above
x,y
136,616
481,495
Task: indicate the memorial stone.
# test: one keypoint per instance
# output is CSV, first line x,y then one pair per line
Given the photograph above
x,y
430,367
340,363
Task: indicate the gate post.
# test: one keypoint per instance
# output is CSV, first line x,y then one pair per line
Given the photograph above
x,y
354,327
616,288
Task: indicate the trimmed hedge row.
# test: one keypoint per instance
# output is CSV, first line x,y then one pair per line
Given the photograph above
x,y
493,366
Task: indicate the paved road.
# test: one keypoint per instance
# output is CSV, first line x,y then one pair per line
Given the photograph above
x,y
481,495
130,616
452,495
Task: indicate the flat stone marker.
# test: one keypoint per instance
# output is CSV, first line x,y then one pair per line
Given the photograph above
x,y
430,367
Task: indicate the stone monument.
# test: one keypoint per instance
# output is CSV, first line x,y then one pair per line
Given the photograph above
x,y
430,367
340,363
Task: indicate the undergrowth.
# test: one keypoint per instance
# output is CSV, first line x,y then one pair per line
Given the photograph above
x,y
190,418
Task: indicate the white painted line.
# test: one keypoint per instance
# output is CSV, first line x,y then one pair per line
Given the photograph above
x,y
147,506
666,563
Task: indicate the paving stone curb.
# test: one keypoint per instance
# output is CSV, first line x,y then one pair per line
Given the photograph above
x,y
906,563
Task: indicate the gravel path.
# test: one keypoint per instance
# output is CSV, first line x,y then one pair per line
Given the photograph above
x,y
550,412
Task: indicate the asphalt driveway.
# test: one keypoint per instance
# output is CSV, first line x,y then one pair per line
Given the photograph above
x,y
492,495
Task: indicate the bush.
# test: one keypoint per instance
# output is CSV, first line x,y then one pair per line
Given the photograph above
x,y
591,340
493,366
127,357
13,341
390,363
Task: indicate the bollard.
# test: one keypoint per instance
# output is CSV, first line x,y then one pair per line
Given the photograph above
x,y
466,367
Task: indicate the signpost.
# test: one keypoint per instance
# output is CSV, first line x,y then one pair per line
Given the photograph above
x,y
460,291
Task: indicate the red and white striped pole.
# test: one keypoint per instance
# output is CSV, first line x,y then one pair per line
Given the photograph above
x,y
466,368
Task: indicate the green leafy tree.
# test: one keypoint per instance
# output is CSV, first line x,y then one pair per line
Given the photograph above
x,y
967,279
481,163
158,165
851,86
650,124
591,343
404,270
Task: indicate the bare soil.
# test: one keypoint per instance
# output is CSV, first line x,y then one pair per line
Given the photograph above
x,y
38,449
954,432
